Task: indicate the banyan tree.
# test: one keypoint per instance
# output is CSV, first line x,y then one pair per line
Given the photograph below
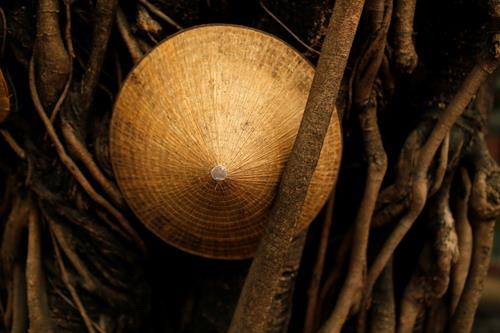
x,y
246,166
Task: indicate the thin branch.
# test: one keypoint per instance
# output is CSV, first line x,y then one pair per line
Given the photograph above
x,y
431,279
63,95
13,144
485,66
479,73
73,168
389,213
252,311
68,301
383,312
38,304
442,165
464,232
287,29
104,16
14,229
87,279
365,101
414,297
155,10
405,54
147,24
74,294
71,53
67,30
5,199
313,291
52,62
130,41
7,315
342,254
484,205
84,156
377,166
435,318
463,318
281,308
19,306
4,33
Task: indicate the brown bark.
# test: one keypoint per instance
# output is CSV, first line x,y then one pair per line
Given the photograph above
x,y
104,12
464,232
75,170
72,290
132,44
52,61
364,93
406,56
13,144
281,308
155,10
90,261
19,306
484,206
83,155
258,291
480,72
38,306
329,287
464,315
382,316
350,294
313,290
13,233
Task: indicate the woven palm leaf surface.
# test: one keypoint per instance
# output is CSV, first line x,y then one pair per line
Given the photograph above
x,y
200,134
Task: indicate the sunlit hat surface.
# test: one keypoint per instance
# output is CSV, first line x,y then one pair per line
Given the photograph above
x,y
200,134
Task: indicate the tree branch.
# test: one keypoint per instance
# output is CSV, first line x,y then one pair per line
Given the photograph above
x,y
130,41
254,305
104,16
405,54
38,306
313,291
479,73
52,61
464,232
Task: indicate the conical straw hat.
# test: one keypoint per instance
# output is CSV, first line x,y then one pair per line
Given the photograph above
x,y
200,134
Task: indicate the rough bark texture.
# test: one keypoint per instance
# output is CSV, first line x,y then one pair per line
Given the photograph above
x,y
403,246
253,311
